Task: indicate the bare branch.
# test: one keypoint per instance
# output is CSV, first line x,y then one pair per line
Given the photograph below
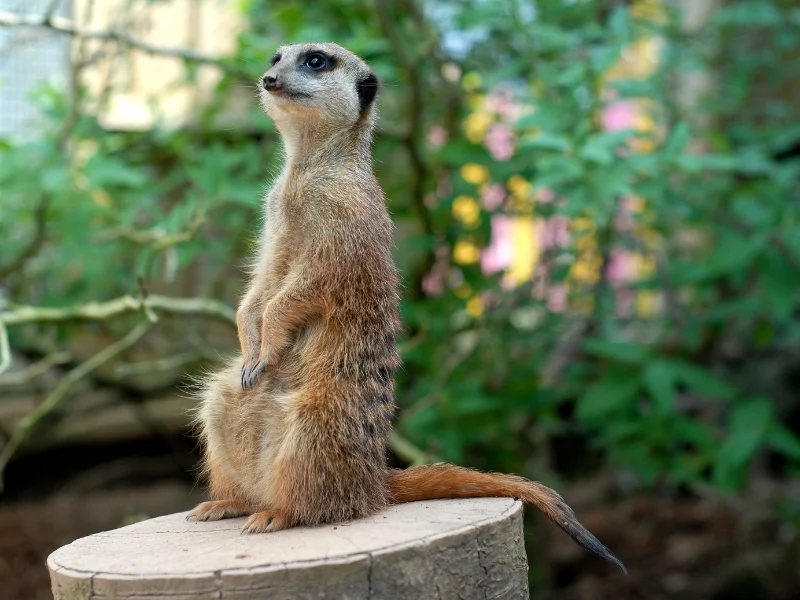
x,y
67,27
101,311
408,451
35,370
5,348
157,236
160,365
32,420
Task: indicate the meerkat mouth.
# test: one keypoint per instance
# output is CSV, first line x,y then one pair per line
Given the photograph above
x,y
283,91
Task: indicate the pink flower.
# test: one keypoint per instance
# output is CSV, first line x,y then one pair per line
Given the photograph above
x,y
625,220
621,266
433,284
619,115
498,254
437,136
544,194
554,231
500,103
557,298
500,141
493,196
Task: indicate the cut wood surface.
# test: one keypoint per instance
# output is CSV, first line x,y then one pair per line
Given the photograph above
x,y
437,549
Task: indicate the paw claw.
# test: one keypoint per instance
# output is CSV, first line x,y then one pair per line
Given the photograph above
x,y
250,374
263,522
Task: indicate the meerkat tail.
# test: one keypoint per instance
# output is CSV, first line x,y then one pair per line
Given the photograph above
x,y
442,480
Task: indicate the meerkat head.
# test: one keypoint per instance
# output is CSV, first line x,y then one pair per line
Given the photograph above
x,y
318,84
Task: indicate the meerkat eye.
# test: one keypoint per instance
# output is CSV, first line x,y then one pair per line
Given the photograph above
x,y
316,62
274,60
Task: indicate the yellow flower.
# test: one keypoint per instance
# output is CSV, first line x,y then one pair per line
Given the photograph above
x,y
474,307
476,102
476,125
467,210
588,262
647,304
525,244
649,10
586,269
466,253
474,174
520,188
463,291
471,81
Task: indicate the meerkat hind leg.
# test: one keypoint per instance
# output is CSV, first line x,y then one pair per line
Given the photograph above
x,y
265,521
219,509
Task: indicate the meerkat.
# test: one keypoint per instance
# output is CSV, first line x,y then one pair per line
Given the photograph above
x,y
295,432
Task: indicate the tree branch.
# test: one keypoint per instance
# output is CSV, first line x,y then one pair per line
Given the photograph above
x,y
67,27
32,420
5,348
36,369
101,311
408,451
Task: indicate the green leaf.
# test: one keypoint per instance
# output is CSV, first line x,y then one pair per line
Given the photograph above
x,y
601,148
607,396
694,163
546,141
779,286
784,441
732,253
677,140
104,171
617,351
749,424
659,379
702,381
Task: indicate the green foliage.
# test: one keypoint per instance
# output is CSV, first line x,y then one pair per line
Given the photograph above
x,y
673,393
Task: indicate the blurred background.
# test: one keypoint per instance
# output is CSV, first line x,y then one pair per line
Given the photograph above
x,y
597,208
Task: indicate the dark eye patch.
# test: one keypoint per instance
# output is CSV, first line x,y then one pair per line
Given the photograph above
x,y
274,60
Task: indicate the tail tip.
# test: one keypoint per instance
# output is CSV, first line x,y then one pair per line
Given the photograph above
x,y
593,545
615,561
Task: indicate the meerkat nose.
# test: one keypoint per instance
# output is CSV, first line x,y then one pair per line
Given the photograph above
x,y
270,82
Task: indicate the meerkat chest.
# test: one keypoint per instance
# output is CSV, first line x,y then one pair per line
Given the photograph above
x,y
284,234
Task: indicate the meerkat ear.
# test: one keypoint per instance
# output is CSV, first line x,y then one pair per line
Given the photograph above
x,y
367,89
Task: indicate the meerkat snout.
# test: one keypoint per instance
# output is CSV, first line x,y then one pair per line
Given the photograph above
x,y
270,82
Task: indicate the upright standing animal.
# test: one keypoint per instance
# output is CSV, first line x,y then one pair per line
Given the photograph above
x,y
297,435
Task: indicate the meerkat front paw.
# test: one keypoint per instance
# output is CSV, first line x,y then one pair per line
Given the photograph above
x,y
267,358
250,371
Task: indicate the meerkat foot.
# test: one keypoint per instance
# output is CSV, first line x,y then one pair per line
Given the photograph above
x,y
265,521
219,509
250,371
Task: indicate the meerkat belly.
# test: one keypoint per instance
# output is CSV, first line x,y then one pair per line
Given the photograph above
x,y
241,434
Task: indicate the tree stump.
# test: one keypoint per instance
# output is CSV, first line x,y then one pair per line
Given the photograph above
x,y
438,549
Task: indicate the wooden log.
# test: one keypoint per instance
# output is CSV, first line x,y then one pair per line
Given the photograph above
x,y
437,550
